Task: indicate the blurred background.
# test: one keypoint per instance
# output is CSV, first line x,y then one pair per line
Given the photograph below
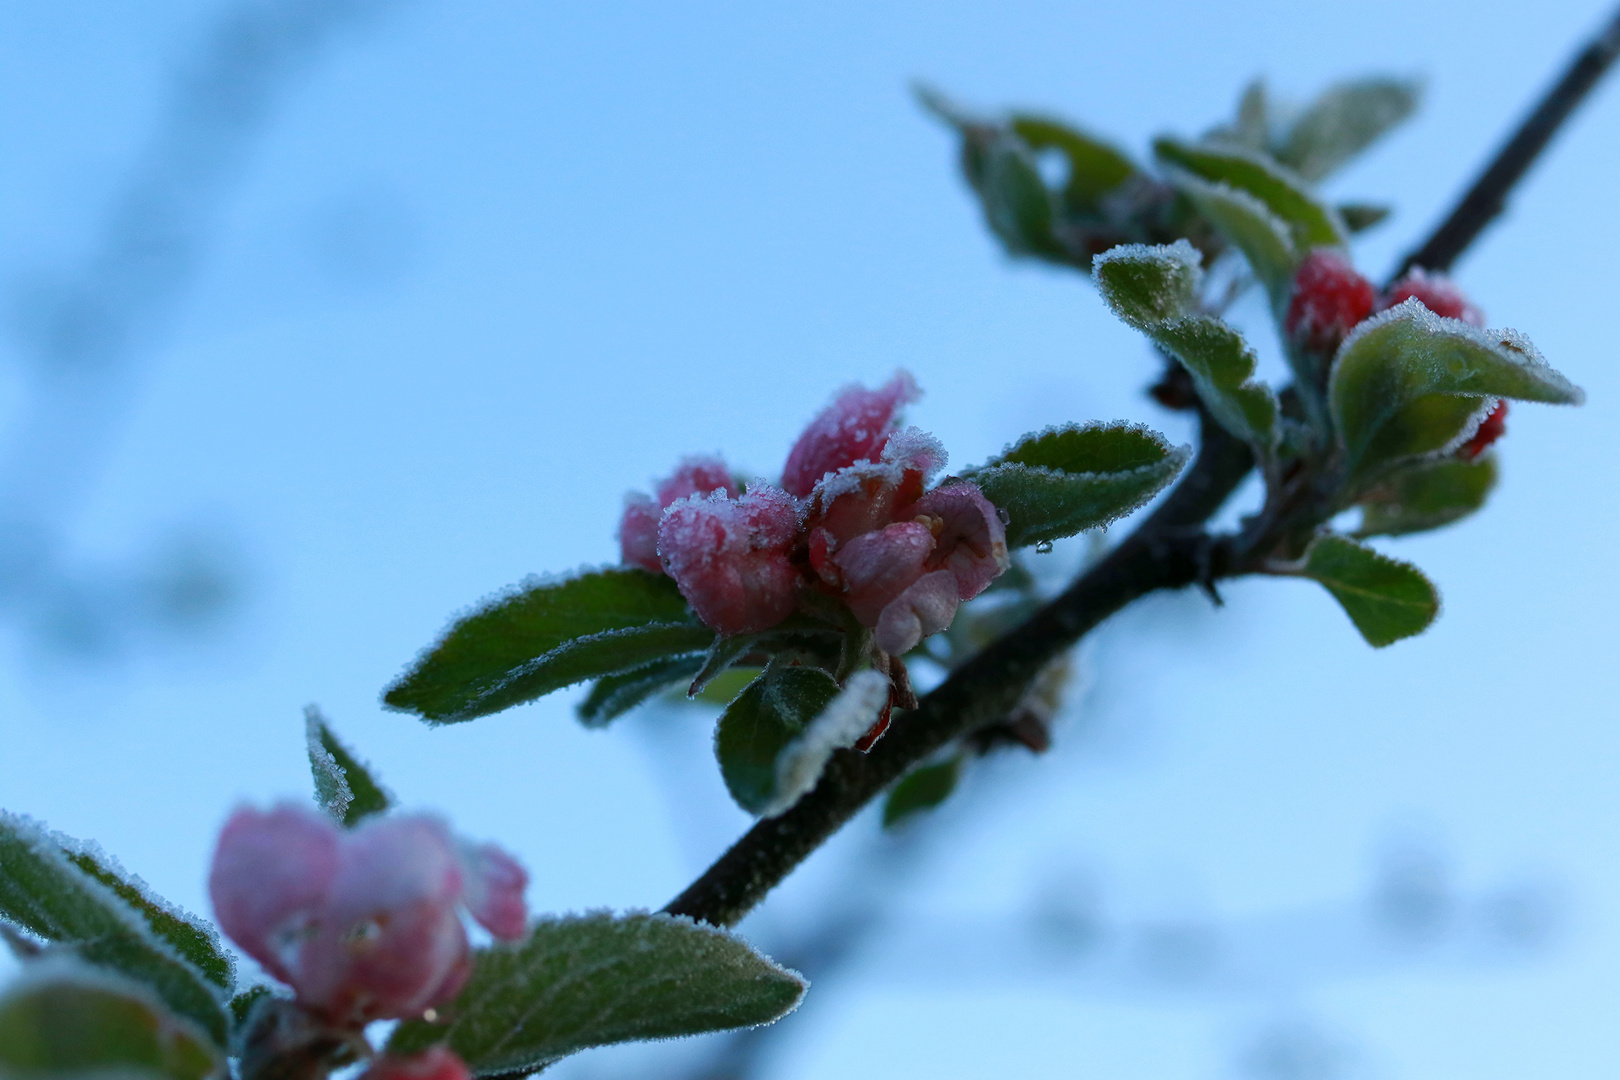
x,y
321,319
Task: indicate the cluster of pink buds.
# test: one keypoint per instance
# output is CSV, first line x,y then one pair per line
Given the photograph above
x,y
364,924
852,519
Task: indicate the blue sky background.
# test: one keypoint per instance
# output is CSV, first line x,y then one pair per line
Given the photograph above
x,y
491,264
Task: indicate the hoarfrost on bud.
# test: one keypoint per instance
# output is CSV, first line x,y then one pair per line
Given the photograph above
x,y
730,557
853,428
363,924
638,526
1328,300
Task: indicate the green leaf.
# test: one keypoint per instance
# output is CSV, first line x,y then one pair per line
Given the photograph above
x,y
1246,222
1288,197
615,695
44,889
1343,122
1068,479
1359,217
1409,383
921,789
1427,496
194,939
590,980
1017,203
546,635
1095,167
771,712
241,1005
1155,290
344,787
1387,599
62,1019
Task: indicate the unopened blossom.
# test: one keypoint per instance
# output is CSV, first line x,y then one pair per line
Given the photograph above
x,y
1436,292
853,518
1328,299
434,1063
364,924
638,527
1493,427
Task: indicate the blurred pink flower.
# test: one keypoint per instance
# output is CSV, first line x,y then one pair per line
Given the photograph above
x,y
434,1063
638,527
363,924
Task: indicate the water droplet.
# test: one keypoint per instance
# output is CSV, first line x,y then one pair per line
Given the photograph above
x,y
1006,518
1044,547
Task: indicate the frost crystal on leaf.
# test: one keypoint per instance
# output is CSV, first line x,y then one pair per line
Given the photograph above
x,y
845,719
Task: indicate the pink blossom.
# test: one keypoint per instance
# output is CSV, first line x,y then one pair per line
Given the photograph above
x,y
926,607
731,557
853,428
363,924
434,1063
638,527
970,540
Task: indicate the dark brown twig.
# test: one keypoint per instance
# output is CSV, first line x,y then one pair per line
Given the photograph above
x,y
1488,197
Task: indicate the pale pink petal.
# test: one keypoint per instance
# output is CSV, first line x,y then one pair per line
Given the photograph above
x,y
730,558
857,499
493,884
853,428
434,1063
926,607
697,476
878,566
638,532
270,878
970,540
389,942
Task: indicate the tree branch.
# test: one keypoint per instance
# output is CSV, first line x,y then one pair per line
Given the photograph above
x,y
1168,551
1488,197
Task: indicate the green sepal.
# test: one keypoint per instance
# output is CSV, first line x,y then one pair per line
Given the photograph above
x,y
46,890
1095,167
921,789
615,695
589,980
1155,289
1311,223
344,787
1343,121
242,1004
1409,383
63,1019
1387,599
770,713
545,635
1427,496
1068,479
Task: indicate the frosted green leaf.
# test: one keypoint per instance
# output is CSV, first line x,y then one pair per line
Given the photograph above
x,y
63,1019
1387,599
1427,496
615,695
770,713
1311,223
589,980
1408,383
1064,480
1155,290
76,898
1344,121
921,789
344,787
1250,226
1017,203
1095,166
545,635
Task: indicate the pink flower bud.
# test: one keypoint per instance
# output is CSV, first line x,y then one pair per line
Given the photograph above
x,y
853,428
638,527
970,540
1493,427
1436,292
926,607
434,1063
363,924
730,557
878,566
1329,299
